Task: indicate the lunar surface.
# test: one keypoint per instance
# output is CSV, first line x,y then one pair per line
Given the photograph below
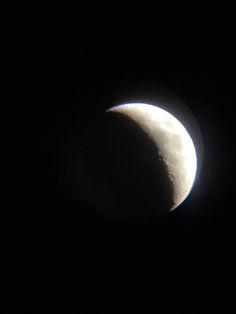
x,y
137,161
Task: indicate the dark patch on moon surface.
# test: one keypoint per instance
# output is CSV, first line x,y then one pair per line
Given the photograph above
x,y
119,172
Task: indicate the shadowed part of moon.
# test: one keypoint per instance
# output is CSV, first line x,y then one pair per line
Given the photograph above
x,y
119,170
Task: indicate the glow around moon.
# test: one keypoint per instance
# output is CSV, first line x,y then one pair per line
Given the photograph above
x,y
174,145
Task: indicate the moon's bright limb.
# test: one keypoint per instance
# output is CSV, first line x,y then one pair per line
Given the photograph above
x,y
175,146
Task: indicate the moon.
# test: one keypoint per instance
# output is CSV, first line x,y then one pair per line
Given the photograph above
x,y
138,161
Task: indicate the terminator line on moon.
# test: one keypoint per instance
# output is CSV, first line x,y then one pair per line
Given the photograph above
x,y
137,161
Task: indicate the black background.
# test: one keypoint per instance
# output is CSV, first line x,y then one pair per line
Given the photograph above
x,y
61,78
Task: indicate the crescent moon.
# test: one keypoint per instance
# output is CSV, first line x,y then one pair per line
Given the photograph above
x,y
138,161
174,145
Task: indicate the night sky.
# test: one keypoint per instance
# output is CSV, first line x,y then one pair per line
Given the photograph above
x,y
59,80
